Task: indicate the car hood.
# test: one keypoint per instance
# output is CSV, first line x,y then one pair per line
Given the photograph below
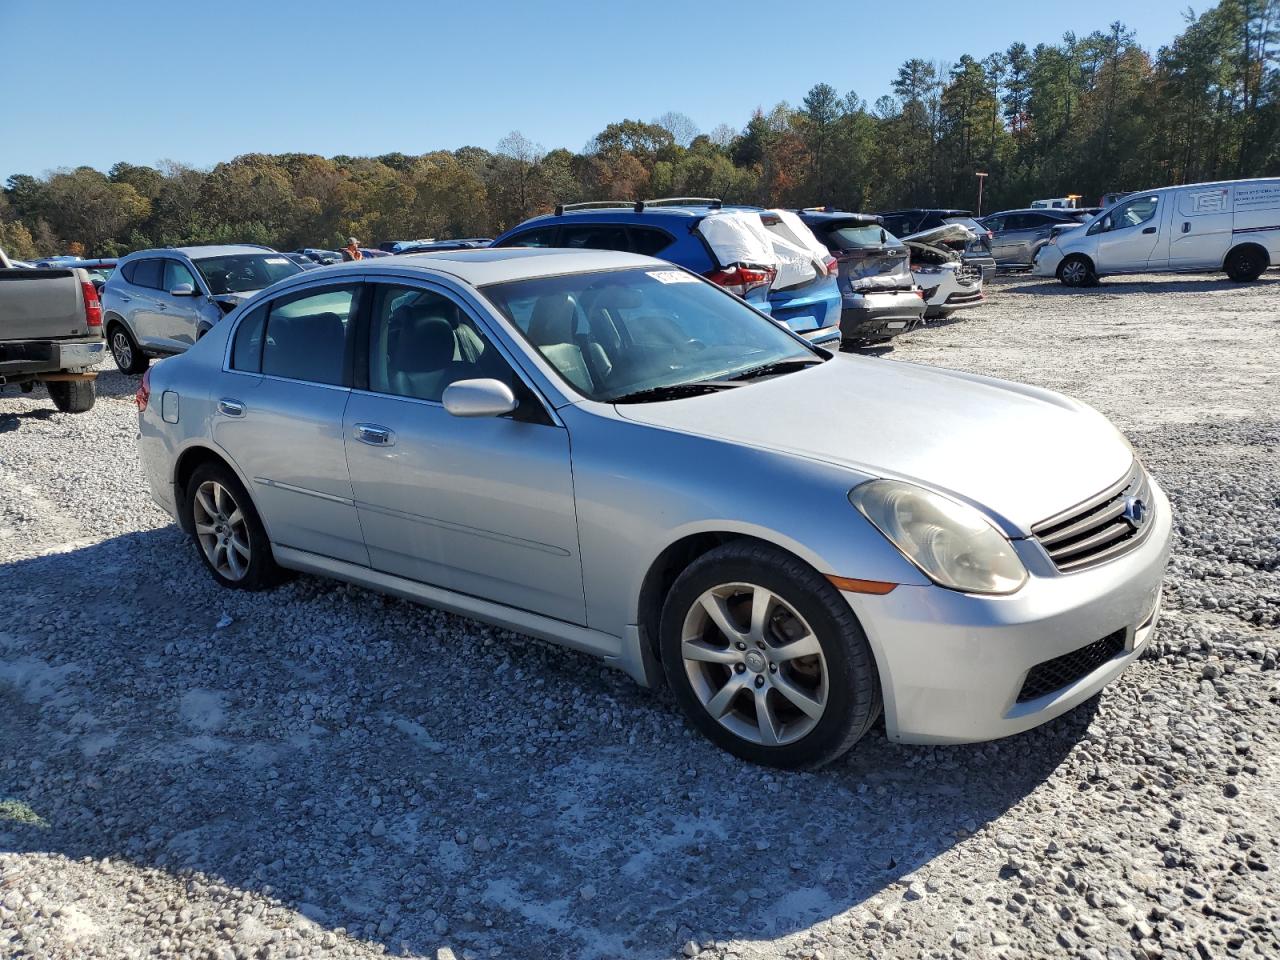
x,y
1020,453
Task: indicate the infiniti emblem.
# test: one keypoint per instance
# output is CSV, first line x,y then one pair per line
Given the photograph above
x,y
1135,512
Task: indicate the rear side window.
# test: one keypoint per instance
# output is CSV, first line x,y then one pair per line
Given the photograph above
x,y
126,271
246,352
595,236
308,335
649,242
541,237
148,273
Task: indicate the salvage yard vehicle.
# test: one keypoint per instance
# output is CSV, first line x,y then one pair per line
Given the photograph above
x,y
159,302
947,280
879,296
767,257
50,333
1231,226
614,454
1018,235
974,248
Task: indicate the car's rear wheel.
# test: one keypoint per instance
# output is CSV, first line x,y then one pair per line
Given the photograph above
x,y
766,659
232,541
72,396
125,350
1077,271
1245,264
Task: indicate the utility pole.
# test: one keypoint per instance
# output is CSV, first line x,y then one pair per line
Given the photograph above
x,y
981,179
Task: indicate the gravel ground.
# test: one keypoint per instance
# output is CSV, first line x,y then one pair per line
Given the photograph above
x,y
321,771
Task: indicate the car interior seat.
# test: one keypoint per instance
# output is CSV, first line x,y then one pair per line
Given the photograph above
x,y
551,330
311,347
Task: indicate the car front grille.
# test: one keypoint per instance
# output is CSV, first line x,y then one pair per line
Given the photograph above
x,y
1045,678
1102,528
966,273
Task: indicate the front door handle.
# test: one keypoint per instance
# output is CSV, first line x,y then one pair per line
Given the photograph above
x,y
374,435
160,306
230,408
124,299
1149,230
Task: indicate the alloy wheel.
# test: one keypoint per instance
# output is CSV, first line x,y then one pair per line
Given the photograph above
x,y
122,349
1073,273
755,664
221,530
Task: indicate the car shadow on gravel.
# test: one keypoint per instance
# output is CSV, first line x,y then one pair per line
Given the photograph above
x,y
420,779
1108,285
10,421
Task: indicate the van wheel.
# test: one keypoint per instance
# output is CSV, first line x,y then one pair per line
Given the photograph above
x,y
1244,264
71,396
766,658
232,541
125,350
1077,271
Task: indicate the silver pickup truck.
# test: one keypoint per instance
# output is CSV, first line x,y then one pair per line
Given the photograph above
x,y
50,333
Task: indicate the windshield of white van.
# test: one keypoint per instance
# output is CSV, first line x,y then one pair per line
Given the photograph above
x,y
646,333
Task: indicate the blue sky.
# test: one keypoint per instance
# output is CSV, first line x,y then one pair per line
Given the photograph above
x,y
199,82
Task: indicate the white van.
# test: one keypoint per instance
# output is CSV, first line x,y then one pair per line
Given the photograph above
x,y
1232,226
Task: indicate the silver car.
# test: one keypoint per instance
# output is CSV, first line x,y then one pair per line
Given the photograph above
x,y
160,302
1018,235
609,452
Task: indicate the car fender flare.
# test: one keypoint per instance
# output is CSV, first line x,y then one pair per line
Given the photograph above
x,y
188,456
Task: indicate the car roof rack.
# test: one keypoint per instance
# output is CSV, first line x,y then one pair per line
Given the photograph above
x,y
715,203
828,208
637,205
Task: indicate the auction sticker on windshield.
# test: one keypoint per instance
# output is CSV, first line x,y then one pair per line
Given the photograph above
x,y
672,276
275,260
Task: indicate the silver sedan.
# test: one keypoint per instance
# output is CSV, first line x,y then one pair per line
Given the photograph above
x,y
611,453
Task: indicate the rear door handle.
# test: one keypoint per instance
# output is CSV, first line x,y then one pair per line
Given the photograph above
x,y
375,435
1186,226
1149,230
230,408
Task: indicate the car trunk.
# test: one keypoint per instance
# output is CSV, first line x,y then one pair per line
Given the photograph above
x,y
870,258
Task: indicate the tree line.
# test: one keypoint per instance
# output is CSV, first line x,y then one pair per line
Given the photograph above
x,y
1085,116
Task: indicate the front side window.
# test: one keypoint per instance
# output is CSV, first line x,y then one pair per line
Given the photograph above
x,y
421,341
618,333
244,272
997,224
308,335
1134,213
176,272
542,237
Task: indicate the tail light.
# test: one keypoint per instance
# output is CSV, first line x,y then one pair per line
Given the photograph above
x,y
920,293
832,265
92,305
143,396
740,279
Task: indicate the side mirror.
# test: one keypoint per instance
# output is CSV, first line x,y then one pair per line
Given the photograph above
x,y
183,290
479,398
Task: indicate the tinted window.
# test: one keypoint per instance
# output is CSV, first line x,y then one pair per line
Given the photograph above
x,y
126,271
614,333
595,236
997,224
148,273
244,272
648,241
542,237
176,272
308,335
421,341
855,236
246,352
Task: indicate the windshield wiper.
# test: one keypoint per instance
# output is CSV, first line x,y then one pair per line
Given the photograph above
x,y
673,391
775,368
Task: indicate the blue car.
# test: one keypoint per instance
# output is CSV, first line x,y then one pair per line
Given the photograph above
x,y
678,230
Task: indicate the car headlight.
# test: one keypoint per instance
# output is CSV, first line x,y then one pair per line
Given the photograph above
x,y
953,544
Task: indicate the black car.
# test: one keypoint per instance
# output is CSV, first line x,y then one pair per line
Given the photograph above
x,y
879,298
976,252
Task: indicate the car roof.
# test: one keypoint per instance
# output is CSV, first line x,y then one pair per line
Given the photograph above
x,y
628,214
486,265
221,250
945,211
842,216
1064,211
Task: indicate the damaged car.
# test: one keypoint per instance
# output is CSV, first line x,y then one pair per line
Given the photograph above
x,y
159,302
879,296
947,281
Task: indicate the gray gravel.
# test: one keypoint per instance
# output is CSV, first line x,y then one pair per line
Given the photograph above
x,y
320,771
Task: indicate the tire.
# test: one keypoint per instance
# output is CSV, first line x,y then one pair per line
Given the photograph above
x,y
228,533
1245,264
721,682
1077,271
125,350
72,396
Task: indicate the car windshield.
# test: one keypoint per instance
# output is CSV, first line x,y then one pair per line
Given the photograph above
x,y
646,333
855,236
242,272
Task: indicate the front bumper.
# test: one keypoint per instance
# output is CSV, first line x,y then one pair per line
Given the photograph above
x,y
956,301
952,665
1046,261
878,316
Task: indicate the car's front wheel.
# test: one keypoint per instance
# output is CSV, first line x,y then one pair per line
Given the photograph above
x,y
232,540
1077,271
766,659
